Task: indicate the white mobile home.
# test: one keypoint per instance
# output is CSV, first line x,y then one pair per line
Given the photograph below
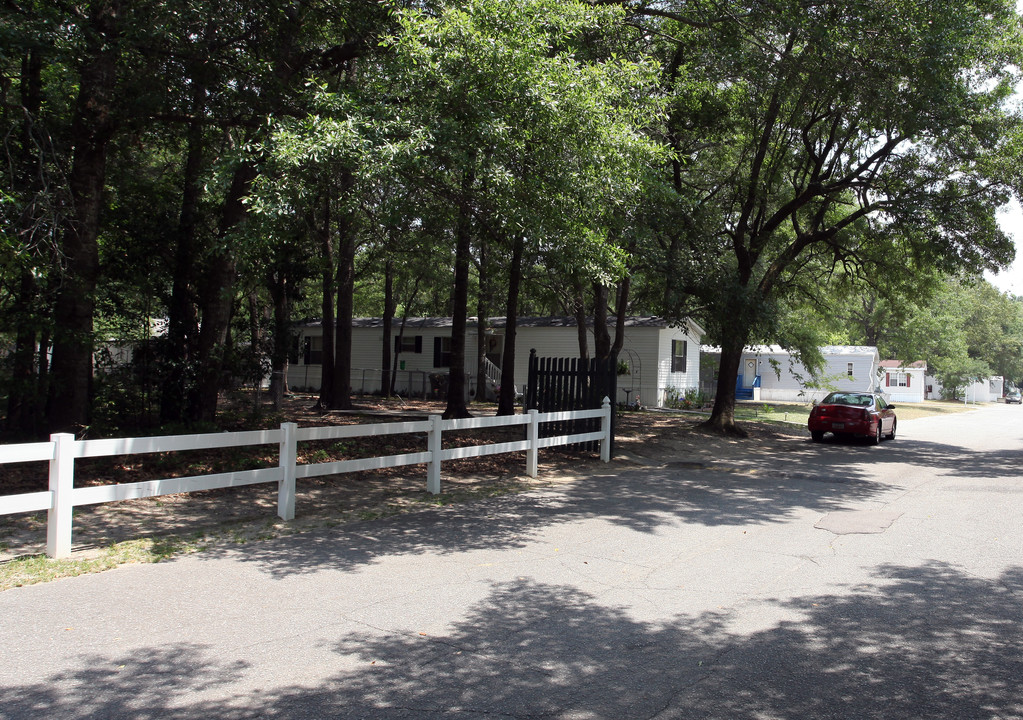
x,y
989,389
654,358
769,372
902,382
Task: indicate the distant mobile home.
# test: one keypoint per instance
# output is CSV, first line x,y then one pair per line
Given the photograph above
x,y
656,356
769,372
989,389
903,383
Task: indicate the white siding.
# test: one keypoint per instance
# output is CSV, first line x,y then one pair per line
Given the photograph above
x,y
912,392
646,348
681,381
413,371
986,390
783,378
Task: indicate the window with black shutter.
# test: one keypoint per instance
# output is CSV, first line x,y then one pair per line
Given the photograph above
x,y
313,350
442,352
408,343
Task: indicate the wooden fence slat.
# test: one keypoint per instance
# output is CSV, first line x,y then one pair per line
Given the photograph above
x,y
568,384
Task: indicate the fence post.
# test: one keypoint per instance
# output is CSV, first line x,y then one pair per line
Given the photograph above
x,y
62,480
605,428
288,461
435,447
533,436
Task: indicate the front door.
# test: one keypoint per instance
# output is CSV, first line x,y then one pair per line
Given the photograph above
x,y
749,372
495,349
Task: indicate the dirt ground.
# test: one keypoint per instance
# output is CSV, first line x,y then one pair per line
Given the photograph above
x,y
247,513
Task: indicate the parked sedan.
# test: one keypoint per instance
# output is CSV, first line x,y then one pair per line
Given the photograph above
x,y
1013,396
863,414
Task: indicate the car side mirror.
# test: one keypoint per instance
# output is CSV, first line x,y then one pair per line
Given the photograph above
x,y
890,406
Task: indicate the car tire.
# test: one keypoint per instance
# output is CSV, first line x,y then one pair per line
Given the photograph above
x,y
817,435
891,435
876,440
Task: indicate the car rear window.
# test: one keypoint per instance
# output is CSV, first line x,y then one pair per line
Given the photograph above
x,y
856,399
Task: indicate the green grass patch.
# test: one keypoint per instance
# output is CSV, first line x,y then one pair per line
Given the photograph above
x,y
39,568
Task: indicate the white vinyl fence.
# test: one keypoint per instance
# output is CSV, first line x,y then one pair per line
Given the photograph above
x,y
62,450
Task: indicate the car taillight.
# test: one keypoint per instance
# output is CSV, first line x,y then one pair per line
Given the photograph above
x,y
866,415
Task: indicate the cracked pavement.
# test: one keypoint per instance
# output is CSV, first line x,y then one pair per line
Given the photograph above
x,y
832,580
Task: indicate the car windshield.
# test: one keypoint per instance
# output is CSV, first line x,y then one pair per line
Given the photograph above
x,y
857,399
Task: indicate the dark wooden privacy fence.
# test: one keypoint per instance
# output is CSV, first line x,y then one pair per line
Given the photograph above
x,y
564,384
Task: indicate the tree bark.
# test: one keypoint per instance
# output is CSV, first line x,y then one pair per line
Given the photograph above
x,y
460,307
217,300
722,417
506,398
182,324
91,131
342,390
389,307
620,315
601,335
327,309
579,306
22,401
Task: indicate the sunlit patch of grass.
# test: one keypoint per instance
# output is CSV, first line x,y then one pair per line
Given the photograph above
x,y
34,569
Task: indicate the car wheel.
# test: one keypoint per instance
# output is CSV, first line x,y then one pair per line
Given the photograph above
x,y
817,435
891,435
876,440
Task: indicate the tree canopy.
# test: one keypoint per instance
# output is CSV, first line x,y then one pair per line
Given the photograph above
x,y
197,176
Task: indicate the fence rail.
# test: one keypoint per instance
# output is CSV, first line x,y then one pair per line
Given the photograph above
x,y
62,450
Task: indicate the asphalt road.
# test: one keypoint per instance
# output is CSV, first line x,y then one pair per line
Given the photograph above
x,y
835,580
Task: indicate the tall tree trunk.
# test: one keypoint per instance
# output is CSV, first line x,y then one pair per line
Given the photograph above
x,y
601,334
182,324
91,130
217,300
327,309
506,399
389,308
620,315
460,306
22,401
342,396
579,310
722,418
409,303
256,333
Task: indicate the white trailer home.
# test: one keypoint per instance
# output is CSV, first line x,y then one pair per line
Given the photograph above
x,y
989,389
655,357
769,372
902,382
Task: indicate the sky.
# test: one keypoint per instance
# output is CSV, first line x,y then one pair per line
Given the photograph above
x,y
1011,280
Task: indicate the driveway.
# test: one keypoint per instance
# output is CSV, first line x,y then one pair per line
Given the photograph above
x,y
832,580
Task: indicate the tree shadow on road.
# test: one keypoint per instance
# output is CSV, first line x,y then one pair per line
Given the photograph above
x,y
915,642
771,482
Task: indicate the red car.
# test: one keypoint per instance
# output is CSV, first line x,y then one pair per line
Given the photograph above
x,y
863,414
